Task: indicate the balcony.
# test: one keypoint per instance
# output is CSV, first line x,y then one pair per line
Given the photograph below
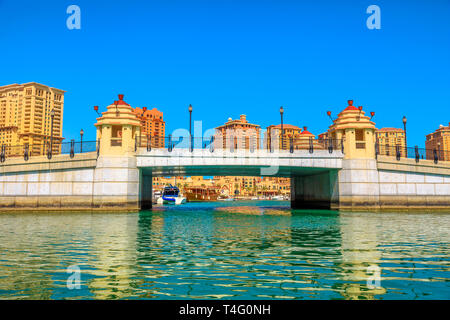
x,y
116,142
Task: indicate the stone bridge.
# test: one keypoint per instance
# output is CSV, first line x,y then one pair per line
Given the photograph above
x,y
119,176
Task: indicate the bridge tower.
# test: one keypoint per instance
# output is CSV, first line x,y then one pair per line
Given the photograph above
x,y
117,180
117,129
356,131
357,183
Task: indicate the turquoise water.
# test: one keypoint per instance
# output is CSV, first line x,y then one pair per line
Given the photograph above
x,y
197,251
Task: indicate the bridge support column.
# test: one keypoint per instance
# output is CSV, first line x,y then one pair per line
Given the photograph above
x,y
116,183
146,191
359,187
315,191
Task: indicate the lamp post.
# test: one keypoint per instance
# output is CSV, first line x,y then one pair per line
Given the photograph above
x,y
439,151
282,133
190,125
81,140
52,115
406,144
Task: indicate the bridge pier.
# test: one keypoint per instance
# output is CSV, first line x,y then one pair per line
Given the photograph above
x,y
146,190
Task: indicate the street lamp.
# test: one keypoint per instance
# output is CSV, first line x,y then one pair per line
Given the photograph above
x,y
406,144
52,115
81,141
282,133
190,125
439,150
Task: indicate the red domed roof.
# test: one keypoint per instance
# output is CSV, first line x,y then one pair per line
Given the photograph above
x,y
120,101
351,106
305,131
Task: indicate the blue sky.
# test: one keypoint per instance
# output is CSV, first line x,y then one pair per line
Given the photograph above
x,y
233,57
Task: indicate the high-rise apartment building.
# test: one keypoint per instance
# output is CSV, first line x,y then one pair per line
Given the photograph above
x,y
389,138
25,115
273,135
238,134
152,124
439,140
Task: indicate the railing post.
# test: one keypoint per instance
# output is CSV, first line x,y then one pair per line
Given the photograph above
x,y
3,154
397,152
169,145
435,156
149,142
291,145
377,149
72,148
25,153
98,148
49,150
330,145
311,145
416,149
191,143
211,144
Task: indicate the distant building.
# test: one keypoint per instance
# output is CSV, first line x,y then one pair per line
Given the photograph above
x,y
439,140
273,136
25,115
389,138
152,125
238,134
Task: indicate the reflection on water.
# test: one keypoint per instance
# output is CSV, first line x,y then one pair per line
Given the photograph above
x,y
196,251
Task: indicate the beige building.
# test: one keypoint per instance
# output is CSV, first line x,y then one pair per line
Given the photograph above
x,y
273,136
152,124
237,134
439,140
25,115
389,138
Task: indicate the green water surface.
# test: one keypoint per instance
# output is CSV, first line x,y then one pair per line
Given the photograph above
x,y
197,251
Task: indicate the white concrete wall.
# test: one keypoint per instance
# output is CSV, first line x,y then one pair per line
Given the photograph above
x,y
113,183
363,186
263,158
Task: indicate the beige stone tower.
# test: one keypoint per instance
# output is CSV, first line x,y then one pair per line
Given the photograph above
x,y
356,131
118,128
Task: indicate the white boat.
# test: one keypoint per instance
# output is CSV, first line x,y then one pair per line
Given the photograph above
x,y
277,198
226,199
171,195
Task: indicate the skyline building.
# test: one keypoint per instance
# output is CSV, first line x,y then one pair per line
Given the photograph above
x,y
389,138
25,115
238,134
152,124
439,140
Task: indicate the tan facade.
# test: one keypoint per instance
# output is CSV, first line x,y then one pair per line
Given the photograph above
x,y
389,138
439,140
273,136
238,134
356,131
152,124
118,128
25,115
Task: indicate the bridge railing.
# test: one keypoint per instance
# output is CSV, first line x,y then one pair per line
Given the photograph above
x,y
233,144
47,149
402,152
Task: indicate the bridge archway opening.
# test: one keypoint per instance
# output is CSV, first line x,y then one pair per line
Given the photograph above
x,y
310,188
